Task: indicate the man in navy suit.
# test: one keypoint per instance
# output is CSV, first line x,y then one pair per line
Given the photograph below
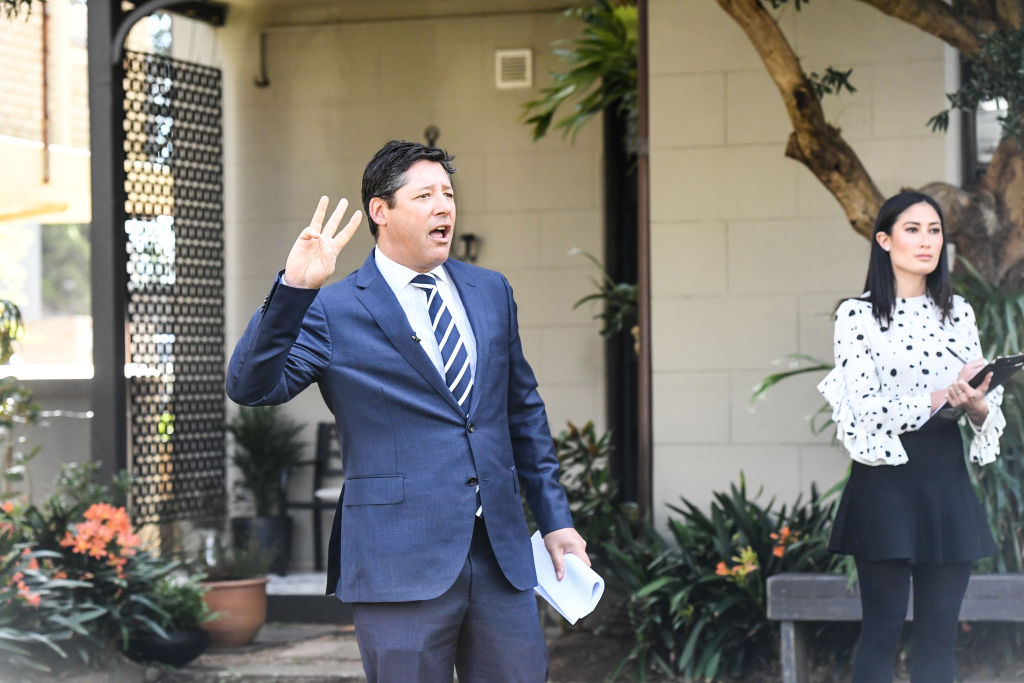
x,y
430,542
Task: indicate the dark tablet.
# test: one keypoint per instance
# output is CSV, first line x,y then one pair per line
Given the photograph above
x,y
1002,369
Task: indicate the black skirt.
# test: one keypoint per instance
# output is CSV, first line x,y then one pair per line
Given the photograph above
x,y
924,510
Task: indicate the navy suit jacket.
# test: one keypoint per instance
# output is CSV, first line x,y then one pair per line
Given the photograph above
x,y
411,456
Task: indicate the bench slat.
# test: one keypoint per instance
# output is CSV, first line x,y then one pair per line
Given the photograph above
x,y
824,597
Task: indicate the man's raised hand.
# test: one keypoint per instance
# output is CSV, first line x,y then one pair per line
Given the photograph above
x,y
313,256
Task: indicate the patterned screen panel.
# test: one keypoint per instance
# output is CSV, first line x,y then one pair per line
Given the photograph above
x,y
174,241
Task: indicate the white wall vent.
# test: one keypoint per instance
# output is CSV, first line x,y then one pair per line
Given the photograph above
x,y
513,68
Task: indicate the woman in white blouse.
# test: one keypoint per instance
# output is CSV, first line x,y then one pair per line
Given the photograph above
x,y
908,508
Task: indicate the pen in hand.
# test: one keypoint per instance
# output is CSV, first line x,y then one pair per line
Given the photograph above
x,y
956,356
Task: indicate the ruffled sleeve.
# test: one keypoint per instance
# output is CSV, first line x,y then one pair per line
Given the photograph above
x,y
985,444
868,423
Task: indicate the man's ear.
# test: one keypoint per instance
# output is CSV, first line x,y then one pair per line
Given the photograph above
x,y
378,211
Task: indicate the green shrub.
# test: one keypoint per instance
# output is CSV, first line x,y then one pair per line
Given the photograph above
x,y
181,600
593,493
697,604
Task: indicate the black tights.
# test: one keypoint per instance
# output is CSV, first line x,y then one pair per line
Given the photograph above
x,y
884,589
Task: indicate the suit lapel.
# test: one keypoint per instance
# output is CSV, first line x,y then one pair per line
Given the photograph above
x,y
380,302
477,308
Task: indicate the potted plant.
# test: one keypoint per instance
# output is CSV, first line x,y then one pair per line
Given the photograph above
x,y
236,595
183,611
266,444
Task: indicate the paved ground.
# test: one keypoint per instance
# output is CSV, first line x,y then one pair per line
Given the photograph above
x,y
317,653
310,653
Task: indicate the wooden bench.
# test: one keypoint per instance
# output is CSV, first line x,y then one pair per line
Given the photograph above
x,y
794,598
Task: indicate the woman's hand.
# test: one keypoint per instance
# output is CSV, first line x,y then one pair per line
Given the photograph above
x,y
962,395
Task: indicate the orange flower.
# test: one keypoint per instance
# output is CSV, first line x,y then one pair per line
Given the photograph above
x,y
106,532
33,564
27,595
7,506
722,569
785,537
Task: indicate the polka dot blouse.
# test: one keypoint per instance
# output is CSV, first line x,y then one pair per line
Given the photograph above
x,y
884,375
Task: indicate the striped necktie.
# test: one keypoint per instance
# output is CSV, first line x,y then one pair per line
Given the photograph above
x,y
454,356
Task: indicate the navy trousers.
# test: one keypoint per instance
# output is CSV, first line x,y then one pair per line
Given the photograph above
x,y
482,627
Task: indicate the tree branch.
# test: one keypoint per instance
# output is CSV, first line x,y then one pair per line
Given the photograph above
x,y
938,19
816,144
1010,13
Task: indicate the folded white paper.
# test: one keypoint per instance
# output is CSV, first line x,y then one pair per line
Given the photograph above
x,y
579,591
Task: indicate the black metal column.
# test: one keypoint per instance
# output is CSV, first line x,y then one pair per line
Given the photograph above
x,y
620,258
109,395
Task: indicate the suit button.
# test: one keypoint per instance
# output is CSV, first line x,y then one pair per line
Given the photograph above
x,y
471,428
472,481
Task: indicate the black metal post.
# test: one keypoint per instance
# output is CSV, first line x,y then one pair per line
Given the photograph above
x,y
620,258
109,290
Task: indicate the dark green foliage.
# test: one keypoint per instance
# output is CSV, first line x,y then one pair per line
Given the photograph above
x,y
997,73
11,327
598,514
602,70
799,364
984,646
832,82
13,8
776,4
267,444
619,313
17,406
65,279
182,604
1000,318
697,604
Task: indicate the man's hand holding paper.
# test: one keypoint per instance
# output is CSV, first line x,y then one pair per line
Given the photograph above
x,y
577,593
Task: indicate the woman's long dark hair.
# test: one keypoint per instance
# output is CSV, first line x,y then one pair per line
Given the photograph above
x,y
881,281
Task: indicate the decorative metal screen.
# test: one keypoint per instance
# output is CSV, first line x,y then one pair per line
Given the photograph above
x,y
174,240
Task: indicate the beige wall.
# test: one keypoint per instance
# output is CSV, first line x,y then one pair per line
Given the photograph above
x,y
339,91
749,251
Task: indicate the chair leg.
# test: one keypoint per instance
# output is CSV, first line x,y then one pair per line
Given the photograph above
x,y
318,541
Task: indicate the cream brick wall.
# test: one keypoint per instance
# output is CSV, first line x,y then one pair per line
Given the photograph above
x,y
749,251
21,44
338,92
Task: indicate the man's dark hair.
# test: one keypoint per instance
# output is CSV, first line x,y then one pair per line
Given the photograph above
x,y
385,172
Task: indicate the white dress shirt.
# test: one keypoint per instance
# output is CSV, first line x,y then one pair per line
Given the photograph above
x,y
414,303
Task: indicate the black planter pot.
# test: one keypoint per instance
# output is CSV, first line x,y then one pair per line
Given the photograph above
x,y
273,535
177,650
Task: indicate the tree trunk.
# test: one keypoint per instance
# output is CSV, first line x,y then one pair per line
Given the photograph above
x,y
985,222
816,144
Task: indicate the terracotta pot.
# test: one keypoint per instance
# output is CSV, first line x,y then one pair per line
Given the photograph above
x,y
242,609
